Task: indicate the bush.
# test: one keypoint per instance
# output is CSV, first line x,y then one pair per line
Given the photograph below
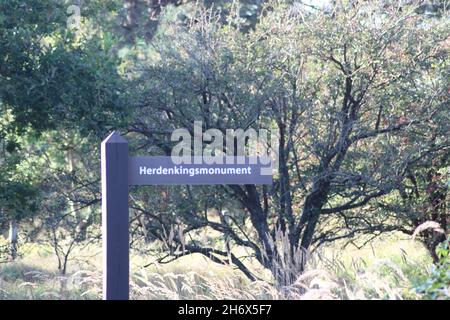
x,y
437,286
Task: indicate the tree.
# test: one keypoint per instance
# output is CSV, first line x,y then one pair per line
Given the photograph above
x,y
356,94
421,196
68,212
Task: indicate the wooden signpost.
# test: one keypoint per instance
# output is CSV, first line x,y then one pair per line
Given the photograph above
x,y
119,171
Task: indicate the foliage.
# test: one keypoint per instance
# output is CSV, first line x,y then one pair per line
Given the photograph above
x,y
347,275
56,85
140,20
437,286
356,91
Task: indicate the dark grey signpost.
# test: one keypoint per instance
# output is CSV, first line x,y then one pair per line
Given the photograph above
x,y
119,171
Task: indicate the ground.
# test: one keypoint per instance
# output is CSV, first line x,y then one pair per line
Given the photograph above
x,y
388,268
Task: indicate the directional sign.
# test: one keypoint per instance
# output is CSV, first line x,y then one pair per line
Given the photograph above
x,y
115,231
119,171
231,170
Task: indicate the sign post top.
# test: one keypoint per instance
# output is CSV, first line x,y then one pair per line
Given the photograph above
x,y
114,137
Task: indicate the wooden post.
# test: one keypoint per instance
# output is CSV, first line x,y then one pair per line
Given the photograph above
x,y
115,219
13,238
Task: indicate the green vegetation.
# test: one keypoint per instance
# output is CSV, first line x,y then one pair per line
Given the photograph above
x,y
383,271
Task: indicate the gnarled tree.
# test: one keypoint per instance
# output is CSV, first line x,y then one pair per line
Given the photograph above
x,y
358,95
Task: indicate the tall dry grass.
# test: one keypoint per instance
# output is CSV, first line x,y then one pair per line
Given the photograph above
x,y
387,270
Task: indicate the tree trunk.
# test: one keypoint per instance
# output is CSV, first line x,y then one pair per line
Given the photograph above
x,y
13,239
